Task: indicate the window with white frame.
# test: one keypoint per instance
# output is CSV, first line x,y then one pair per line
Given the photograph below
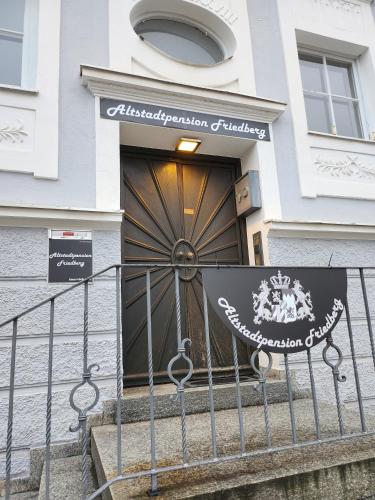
x,y
331,97
18,26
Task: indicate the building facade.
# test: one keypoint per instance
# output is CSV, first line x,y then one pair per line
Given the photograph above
x,y
94,98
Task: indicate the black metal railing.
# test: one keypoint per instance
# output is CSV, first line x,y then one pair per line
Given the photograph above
x,y
262,374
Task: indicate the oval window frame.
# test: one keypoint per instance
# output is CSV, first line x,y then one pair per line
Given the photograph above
x,y
187,13
213,48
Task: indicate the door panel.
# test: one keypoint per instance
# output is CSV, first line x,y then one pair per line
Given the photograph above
x,y
176,211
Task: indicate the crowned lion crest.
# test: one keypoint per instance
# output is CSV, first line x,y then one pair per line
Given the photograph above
x,y
282,304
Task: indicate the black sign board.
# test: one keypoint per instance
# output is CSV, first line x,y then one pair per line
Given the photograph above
x,y
278,309
69,260
161,116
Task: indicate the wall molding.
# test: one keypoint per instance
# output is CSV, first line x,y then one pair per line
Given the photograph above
x,y
351,167
107,83
341,5
59,218
13,133
319,229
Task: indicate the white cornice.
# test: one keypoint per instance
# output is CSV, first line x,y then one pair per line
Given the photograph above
x,y
316,229
59,218
107,83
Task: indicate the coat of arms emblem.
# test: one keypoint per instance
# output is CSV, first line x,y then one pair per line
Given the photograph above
x,y
281,303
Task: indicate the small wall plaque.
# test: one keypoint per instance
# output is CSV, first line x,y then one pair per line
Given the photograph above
x,y
70,256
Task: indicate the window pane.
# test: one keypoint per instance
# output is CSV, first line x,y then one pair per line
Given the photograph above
x,y
180,40
341,78
347,118
312,73
317,111
12,14
11,60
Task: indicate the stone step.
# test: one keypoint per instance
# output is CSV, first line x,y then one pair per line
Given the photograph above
x,y
66,479
279,472
135,405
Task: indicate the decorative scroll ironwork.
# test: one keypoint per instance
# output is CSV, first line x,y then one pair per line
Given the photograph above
x,y
182,355
336,376
82,412
334,367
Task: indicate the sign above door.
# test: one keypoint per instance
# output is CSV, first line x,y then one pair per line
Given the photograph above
x,y
161,116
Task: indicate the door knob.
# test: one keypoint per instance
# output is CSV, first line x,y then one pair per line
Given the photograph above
x,y
190,256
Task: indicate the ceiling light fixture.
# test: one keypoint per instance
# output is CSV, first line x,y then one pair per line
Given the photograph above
x,y
188,145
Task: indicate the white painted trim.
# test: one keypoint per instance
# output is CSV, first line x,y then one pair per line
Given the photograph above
x,y
317,229
107,83
59,218
30,44
16,89
108,177
41,156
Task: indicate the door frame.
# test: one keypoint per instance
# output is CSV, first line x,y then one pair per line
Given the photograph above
x,y
187,158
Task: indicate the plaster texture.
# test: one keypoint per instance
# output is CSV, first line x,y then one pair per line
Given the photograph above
x,y
29,425
32,362
23,283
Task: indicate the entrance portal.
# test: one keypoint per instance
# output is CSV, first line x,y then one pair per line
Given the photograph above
x,y
180,210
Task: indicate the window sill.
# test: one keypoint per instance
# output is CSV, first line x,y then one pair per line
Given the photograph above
x,y
341,137
15,88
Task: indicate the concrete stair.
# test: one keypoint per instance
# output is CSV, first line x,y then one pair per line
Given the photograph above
x,y
66,479
135,405
335,470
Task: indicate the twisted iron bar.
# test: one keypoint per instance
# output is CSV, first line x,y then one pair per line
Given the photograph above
x,y
8,459
336,376
262,373
86,379
181,355
313,393
49,401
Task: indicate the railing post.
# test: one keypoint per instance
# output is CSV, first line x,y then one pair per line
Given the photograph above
x,y
313,393
118,370
85,450
238,393
181,354
336,377
86,379
209,368
154,485
368,316
356,375
262,374
49,400
290,398
8,459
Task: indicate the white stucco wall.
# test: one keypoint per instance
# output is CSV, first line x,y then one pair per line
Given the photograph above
x,y
23,283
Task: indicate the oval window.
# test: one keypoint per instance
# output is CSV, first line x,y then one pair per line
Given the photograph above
x,y
180,41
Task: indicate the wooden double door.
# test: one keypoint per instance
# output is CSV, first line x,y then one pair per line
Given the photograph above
x,y
177,209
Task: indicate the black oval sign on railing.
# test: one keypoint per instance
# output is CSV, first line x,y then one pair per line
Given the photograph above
x,y
278,309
